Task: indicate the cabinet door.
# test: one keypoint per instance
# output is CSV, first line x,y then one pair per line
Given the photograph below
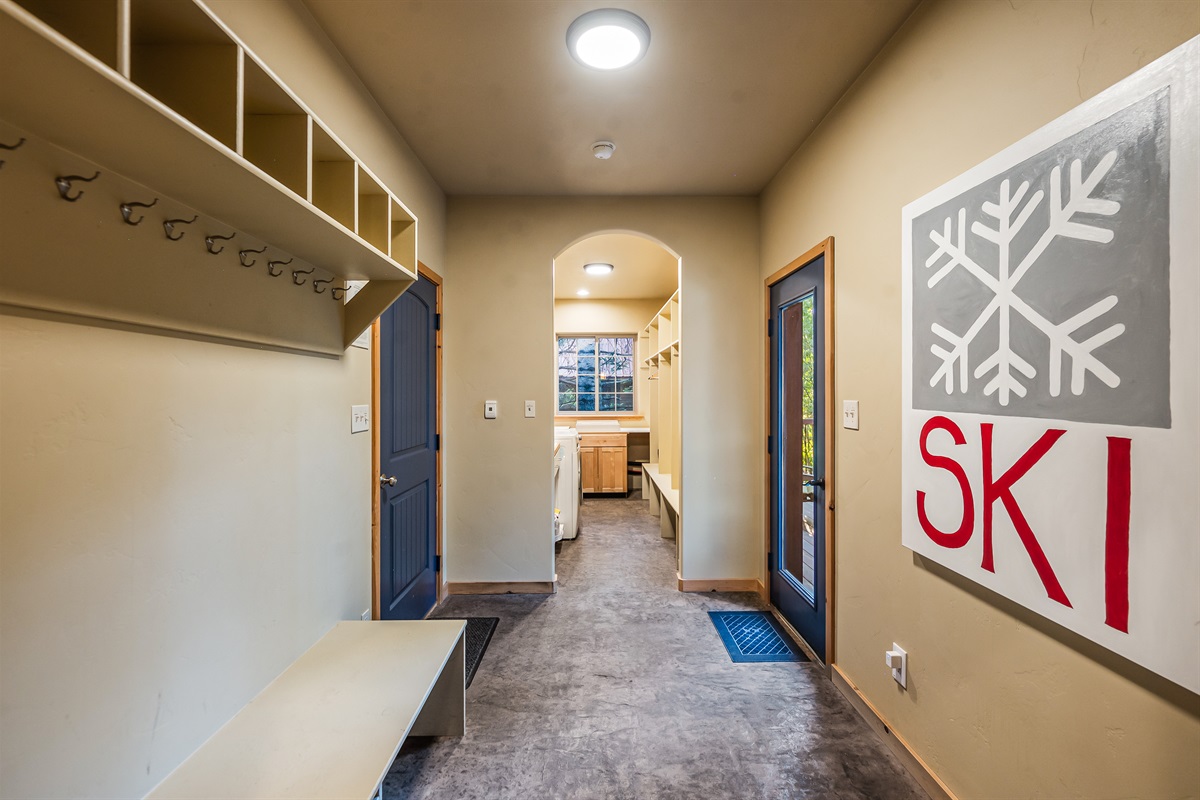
x,y
612,469
588,469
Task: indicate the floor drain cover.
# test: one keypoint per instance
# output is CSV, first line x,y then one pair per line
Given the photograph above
x,y
754,637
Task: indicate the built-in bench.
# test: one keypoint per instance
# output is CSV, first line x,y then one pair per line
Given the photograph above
x,y
656,488
332,723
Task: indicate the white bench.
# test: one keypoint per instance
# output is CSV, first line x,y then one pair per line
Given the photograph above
x,y
656,488
332,723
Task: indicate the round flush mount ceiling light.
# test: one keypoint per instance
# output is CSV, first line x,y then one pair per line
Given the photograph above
x,y
608,38
597,269
583,293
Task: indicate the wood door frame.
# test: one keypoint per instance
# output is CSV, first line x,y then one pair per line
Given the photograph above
x,y
437,281
824,248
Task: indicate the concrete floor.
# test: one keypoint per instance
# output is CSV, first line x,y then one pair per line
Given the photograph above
x,y
619,687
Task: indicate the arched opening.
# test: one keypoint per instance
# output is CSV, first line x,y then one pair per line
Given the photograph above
x,y
616,379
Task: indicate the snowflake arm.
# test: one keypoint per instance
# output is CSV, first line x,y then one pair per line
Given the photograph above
x,y
1082,354
957,251
957,355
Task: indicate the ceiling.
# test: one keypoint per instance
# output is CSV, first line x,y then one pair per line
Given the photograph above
x,y
642,269
488,97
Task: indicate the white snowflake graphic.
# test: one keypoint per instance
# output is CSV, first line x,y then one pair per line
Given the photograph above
x,y
1011,214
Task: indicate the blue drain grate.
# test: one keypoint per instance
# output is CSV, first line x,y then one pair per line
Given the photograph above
x,y
754,637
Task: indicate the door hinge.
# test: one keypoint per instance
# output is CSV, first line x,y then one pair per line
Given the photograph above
x,y
770,327
768,444
437,441
437,563
437,322
771,562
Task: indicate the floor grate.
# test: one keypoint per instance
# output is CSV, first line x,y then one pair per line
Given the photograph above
x,y
754,637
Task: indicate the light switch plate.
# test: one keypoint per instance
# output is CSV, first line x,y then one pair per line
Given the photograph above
x,y
360,418
530,408
850,414
490,409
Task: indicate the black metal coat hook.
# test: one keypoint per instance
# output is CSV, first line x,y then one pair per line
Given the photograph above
x,y
272,264
248,262
169,226
4,146
296,273
317,287
63,182
334,292
211,238
127,211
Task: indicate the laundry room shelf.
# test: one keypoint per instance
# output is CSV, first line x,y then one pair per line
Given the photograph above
x,y
176,103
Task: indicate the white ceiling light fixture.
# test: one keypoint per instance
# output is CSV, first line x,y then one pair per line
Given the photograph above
x,y
597,268
608,38
583,293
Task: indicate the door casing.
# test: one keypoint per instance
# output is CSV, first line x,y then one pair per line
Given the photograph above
x,y
825,248
436,280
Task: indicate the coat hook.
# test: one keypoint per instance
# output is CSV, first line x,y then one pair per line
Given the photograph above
x,y
272,264
169,226
3,146
127,211
334,292
317,287
208,241
248,262
296,273
63,182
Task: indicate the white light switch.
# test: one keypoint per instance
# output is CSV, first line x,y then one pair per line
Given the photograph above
x,y
490,407
850,414
530,408
360,418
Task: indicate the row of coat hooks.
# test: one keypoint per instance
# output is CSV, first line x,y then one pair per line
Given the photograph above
x,y
248,257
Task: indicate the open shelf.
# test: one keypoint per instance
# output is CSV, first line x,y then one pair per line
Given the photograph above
x,y
180,56
93,25
198,120
373,209
275,130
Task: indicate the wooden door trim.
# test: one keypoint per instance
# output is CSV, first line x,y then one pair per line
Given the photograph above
x,y
436,280
824,248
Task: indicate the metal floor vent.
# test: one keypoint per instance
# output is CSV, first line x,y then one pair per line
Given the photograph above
x,y
754,637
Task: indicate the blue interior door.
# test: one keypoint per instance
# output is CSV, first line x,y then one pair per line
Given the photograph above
x,y
408,453
798,502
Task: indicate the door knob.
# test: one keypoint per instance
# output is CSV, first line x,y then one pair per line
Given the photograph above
x,y
818,482
384,480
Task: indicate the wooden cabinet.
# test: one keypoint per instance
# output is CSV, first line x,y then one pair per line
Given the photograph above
x,y
602,462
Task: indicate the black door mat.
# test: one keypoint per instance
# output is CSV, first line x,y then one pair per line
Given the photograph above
x,y
478,636
754,637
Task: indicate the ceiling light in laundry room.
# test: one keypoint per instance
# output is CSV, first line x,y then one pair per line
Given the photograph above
x,y
597,268
608,38
583,293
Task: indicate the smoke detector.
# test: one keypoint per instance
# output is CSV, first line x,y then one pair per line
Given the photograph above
x,y
603,150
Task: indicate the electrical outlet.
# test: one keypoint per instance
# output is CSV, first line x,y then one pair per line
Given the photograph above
x,y
530,408
850,414
897,660
360,418
490,409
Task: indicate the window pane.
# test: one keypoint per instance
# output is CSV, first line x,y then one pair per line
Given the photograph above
x,y
587,384
623,366
608,384
624,384
608,402
565,386
625,346
587,402
587,347
625,402
586,365
566,360
608,346
566,401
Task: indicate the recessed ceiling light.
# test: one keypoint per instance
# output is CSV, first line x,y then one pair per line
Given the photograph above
x,y
597,269
583,293
608,38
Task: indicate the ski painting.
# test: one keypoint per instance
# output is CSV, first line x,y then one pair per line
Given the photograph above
x,y
1051,355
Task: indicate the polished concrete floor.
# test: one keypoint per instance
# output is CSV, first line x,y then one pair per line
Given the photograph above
x,y
619,687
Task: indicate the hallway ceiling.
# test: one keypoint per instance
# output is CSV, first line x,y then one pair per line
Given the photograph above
x,y
487,95
642,269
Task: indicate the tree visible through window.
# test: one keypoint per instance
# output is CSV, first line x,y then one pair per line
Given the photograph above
x,y
595,374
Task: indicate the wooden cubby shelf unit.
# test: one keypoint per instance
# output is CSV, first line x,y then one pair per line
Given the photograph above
x,y
660,338
160,92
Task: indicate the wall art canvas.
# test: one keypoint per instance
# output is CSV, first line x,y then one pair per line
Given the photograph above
x,y
1051,352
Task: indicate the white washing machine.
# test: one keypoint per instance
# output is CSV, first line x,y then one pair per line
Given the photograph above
x,y
569,490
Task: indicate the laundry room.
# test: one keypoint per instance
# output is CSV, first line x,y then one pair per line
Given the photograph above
x,y
616,419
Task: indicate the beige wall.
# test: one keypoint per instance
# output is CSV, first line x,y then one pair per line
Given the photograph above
x,y
499,334
179,519
1000,703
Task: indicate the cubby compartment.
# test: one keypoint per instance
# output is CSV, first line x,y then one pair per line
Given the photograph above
x,y
373,208
334,178
183,58
403,234
94,25
275,129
